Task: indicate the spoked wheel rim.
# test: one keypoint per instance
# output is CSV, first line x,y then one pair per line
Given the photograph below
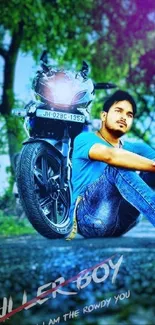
x,y
53,202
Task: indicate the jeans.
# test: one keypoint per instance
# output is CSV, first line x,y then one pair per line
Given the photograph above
x,y
113,203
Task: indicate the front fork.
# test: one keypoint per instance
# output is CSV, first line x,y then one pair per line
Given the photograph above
x,y
65,170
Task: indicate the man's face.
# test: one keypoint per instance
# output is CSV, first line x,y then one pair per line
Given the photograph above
x,y
119,118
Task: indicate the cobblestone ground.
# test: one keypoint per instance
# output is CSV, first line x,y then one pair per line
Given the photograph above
x,y
28,262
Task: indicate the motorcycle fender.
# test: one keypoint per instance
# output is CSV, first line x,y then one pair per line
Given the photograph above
x,y
55,144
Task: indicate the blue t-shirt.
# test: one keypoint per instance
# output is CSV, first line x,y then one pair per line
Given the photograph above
x,y
85,170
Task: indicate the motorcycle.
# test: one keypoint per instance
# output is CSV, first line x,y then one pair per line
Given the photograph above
x,y
58,114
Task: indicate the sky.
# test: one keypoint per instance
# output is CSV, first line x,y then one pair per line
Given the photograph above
x,y
25,70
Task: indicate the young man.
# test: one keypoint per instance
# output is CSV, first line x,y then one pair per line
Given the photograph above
x,y
108,194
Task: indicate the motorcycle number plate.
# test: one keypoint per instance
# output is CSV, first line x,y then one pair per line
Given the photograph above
x,y
60,115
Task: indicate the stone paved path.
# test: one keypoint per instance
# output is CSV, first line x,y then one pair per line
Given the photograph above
x,y
28,262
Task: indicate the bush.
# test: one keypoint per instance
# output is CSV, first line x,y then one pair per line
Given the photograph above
x,y
11,225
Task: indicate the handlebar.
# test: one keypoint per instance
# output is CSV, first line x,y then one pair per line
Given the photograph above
x,y
44,61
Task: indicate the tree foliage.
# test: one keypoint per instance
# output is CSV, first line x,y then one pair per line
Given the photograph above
x,y
115,37
31,26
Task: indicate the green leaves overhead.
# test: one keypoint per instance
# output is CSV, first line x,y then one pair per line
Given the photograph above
x,y
116,38
47,24
109,34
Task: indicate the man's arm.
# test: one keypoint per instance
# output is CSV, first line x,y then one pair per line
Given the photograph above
x,y
121,158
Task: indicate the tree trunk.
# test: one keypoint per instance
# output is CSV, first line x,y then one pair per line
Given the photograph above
x,y
12,124
15,135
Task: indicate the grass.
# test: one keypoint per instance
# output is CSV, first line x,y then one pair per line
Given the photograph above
x,y
13,226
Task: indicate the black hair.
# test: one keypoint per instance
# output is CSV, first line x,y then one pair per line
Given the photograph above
x,y
118,96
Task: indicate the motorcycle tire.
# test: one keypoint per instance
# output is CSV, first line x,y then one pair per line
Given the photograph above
x,y
50,217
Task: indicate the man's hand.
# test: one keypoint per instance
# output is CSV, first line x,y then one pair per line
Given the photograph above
x,y
121,158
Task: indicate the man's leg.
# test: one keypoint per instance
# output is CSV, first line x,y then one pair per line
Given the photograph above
x,y
148,178
129,216
98,211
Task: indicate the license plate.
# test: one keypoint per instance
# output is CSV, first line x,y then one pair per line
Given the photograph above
x,y
60,115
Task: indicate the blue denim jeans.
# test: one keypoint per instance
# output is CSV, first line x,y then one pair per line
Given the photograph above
x,y
113,203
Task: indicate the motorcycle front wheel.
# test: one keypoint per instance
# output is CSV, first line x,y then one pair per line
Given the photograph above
x,y
38,182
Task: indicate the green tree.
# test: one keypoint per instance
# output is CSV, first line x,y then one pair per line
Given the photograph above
x,y
143,75
124,43
113,36
32,26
